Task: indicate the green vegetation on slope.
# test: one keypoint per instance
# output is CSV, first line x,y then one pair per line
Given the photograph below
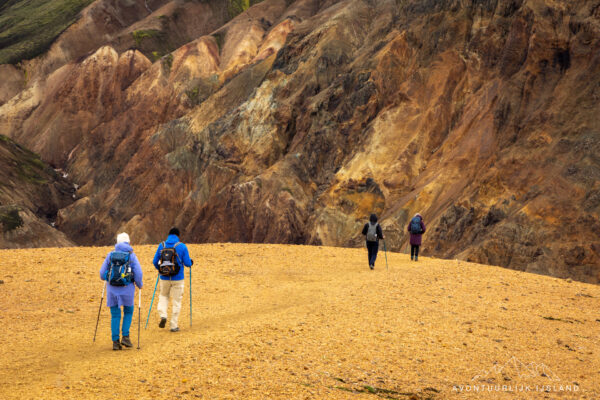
x,y
9,218
28,27
140,35
239,6
20,162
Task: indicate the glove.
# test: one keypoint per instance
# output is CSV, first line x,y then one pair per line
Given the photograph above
x,y
192,263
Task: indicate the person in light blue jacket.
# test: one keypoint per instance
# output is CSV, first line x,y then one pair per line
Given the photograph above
x,y
121,296
171,285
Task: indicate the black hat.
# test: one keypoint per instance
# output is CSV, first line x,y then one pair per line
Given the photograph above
x,y
373,218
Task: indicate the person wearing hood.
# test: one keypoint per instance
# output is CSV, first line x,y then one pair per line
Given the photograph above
x,y
372,231
122,271
416,228
171,284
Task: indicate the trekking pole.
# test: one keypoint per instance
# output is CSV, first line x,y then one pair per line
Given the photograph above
x,y
99,309
190,297
385,252
151,302
139,315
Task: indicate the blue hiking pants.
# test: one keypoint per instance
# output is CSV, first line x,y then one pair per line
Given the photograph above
x,y
115,322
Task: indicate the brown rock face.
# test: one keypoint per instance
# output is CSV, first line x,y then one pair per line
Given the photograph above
x,y
295,120
12,82
31,193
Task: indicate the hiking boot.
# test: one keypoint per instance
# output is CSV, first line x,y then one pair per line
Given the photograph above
x,y
175,329
416,258
412,258
162,323
116,345
125,341
372,267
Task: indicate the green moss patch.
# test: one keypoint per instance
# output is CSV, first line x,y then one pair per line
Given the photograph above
x,y
9,218
28,166
167,62
220,39
28,27
139,36
236,7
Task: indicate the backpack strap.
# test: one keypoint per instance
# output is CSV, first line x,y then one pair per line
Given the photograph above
x,y
177,255
161,250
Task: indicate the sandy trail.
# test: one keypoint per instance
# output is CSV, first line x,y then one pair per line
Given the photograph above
x,y
274,321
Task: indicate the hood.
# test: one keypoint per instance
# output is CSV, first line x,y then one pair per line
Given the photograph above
x,y
172,239
126,247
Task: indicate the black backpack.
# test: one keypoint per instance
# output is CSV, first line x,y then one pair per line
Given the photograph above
x,y
119,271
169,264
415,226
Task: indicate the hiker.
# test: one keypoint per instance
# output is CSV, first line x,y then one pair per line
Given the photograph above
x,y
170,258
372,231
121,269
416,227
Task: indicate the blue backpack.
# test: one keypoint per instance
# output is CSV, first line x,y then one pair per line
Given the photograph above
x,y
415,226
119,271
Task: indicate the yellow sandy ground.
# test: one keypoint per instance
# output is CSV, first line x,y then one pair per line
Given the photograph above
x,y
300,322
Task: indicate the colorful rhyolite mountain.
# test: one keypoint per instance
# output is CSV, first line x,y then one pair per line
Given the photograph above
x,y
295,120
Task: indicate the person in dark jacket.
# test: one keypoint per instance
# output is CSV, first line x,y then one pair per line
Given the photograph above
x,y
172,286
372,231
121,296
416,227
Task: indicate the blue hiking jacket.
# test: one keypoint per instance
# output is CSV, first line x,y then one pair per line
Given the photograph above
x,y
183,256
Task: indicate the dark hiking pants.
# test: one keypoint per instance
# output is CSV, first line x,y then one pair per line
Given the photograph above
x,y
414,251
372,248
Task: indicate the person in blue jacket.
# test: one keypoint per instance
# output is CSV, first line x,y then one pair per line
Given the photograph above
x,y
171,285
122,296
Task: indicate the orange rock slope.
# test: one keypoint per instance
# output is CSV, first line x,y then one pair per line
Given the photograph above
x,y
293,121
300,322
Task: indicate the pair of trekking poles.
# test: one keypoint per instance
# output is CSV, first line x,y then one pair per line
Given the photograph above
x,y
140,308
